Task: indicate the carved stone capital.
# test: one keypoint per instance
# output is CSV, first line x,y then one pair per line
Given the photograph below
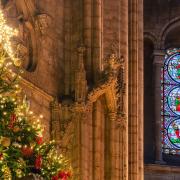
x,y
79,107
158,56
112,116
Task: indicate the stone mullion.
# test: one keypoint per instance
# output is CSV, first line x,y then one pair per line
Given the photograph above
x,y
157,65
135,91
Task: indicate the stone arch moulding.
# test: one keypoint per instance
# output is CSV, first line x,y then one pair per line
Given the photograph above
x,y
33,25
152,37
174,23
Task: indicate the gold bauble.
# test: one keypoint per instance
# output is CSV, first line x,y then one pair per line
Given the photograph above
x,y
17,62
32,144
16,129
5,141
19,173
19,138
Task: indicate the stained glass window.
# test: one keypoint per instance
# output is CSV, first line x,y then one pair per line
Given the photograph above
x,y
170,93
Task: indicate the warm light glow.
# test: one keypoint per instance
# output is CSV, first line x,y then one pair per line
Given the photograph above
x,y
6,33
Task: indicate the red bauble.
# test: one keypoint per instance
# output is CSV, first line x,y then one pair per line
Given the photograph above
x,y
27,151
38,162
64,175
55,178
12,120
39,140
1,156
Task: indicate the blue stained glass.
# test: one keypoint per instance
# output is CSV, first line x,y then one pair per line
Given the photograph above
x,y
170,93
174,67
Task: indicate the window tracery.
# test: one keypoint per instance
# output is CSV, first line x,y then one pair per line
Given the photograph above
x,y
170,93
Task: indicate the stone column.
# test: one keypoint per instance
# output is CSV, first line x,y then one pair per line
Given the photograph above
x,y
80,144
98,140
113,134
157,65
135,90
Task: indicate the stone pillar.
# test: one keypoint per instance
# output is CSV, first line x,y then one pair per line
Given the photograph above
x,y
113,134
123,130
157,65
80,143
123,149
98,140
135,90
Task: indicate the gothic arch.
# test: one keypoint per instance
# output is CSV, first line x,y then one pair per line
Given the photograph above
x,y
152,37
168,28
150,43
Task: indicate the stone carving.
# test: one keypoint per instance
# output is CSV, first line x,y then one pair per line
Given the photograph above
x,y
42,23
55,120
80,78
113,79
32,25
76,110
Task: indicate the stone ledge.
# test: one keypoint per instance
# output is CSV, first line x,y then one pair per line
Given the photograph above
x,y
165,169
36,89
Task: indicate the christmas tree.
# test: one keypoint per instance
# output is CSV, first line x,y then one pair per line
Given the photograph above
x,y
22,149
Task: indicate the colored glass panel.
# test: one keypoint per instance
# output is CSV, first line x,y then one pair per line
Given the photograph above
x,y
170,93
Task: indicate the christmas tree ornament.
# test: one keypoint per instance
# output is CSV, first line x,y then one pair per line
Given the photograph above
x,y
38,162
27,151
5,141
6,173
16,129
39,140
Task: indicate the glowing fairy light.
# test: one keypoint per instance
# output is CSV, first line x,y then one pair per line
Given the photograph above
x,y
6,33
